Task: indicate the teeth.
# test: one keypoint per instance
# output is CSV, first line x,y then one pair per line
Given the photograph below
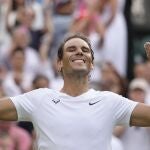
x,y
78,60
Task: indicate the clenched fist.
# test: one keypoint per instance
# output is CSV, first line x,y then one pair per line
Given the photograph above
x,y
147,49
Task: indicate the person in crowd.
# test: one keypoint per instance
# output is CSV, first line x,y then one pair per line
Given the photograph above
x,y
62,18
111,80
13,137
138,89
18,137
17,80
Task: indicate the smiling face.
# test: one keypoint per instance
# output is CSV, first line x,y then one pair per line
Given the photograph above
x,y
77,57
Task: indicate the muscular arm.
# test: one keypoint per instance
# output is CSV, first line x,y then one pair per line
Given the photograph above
x,y
141,113
7,110
140,116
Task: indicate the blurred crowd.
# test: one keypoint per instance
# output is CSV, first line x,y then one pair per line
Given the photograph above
x,y
30,34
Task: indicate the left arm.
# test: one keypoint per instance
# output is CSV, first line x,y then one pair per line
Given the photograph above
x,y
141,113
140,116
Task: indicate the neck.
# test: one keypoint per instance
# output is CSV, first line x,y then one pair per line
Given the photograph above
x,y
75,86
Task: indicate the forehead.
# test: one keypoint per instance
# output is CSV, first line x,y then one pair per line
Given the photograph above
x,y
138,89
76,42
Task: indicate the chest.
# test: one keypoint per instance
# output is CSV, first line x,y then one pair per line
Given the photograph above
x,y
73,119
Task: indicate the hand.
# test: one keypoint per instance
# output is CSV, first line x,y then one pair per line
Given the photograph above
x,y
147,49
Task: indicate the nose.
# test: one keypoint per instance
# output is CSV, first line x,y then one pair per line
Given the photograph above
x,y
79,51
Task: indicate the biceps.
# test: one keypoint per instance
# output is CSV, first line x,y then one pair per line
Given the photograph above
x,y
7,110
140,116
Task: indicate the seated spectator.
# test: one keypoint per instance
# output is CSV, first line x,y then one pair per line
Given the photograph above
x,y
140,70
40,81
62,18
18,137
6,142
20,39
18,80
13,137
138,89
111,80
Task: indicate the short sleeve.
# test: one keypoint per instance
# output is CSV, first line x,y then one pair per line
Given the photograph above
x,y
122,108
27,103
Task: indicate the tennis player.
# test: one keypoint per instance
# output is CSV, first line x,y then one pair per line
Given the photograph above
x,y
77,117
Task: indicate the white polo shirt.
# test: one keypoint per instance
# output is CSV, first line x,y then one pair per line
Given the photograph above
x,y
63,122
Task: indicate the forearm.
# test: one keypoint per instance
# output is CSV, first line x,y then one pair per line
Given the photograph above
x,y
141,116
113,4
7,110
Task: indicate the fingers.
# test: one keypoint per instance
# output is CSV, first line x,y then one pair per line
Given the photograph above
x,y
147,49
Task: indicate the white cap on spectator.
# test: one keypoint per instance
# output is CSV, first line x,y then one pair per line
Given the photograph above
x,y
139,83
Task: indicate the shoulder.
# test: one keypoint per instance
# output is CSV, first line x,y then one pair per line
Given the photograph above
x,y
34,95
105,94
110,97
40,92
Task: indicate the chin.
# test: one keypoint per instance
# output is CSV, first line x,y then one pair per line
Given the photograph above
x,y
81,71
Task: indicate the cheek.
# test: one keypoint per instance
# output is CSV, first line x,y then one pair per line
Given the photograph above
x,y
65,62
90,61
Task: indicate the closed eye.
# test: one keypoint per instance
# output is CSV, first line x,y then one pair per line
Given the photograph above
x,y
71,48
85,49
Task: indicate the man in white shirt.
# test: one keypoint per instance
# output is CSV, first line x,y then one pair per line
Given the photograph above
x,y
75,117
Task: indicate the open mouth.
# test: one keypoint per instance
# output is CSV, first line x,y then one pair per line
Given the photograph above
x,y
78,60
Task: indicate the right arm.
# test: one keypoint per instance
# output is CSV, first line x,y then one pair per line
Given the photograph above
x,y
7,110
113,7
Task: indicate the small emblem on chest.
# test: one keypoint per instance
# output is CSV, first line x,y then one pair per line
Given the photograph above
x,y
56,101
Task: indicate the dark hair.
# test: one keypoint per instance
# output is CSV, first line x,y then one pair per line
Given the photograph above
x,y
14,5
69,37
39,77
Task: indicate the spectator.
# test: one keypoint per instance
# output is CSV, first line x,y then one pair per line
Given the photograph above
x,y
13,137
111,80
140,70
17,80
40,81
18,137
111,14
20,39
137,92
62,19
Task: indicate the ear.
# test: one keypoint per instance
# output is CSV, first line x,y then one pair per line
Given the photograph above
x,y
59,65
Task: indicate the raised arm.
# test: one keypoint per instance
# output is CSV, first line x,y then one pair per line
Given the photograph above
x,y
7,110
113,7
141,114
